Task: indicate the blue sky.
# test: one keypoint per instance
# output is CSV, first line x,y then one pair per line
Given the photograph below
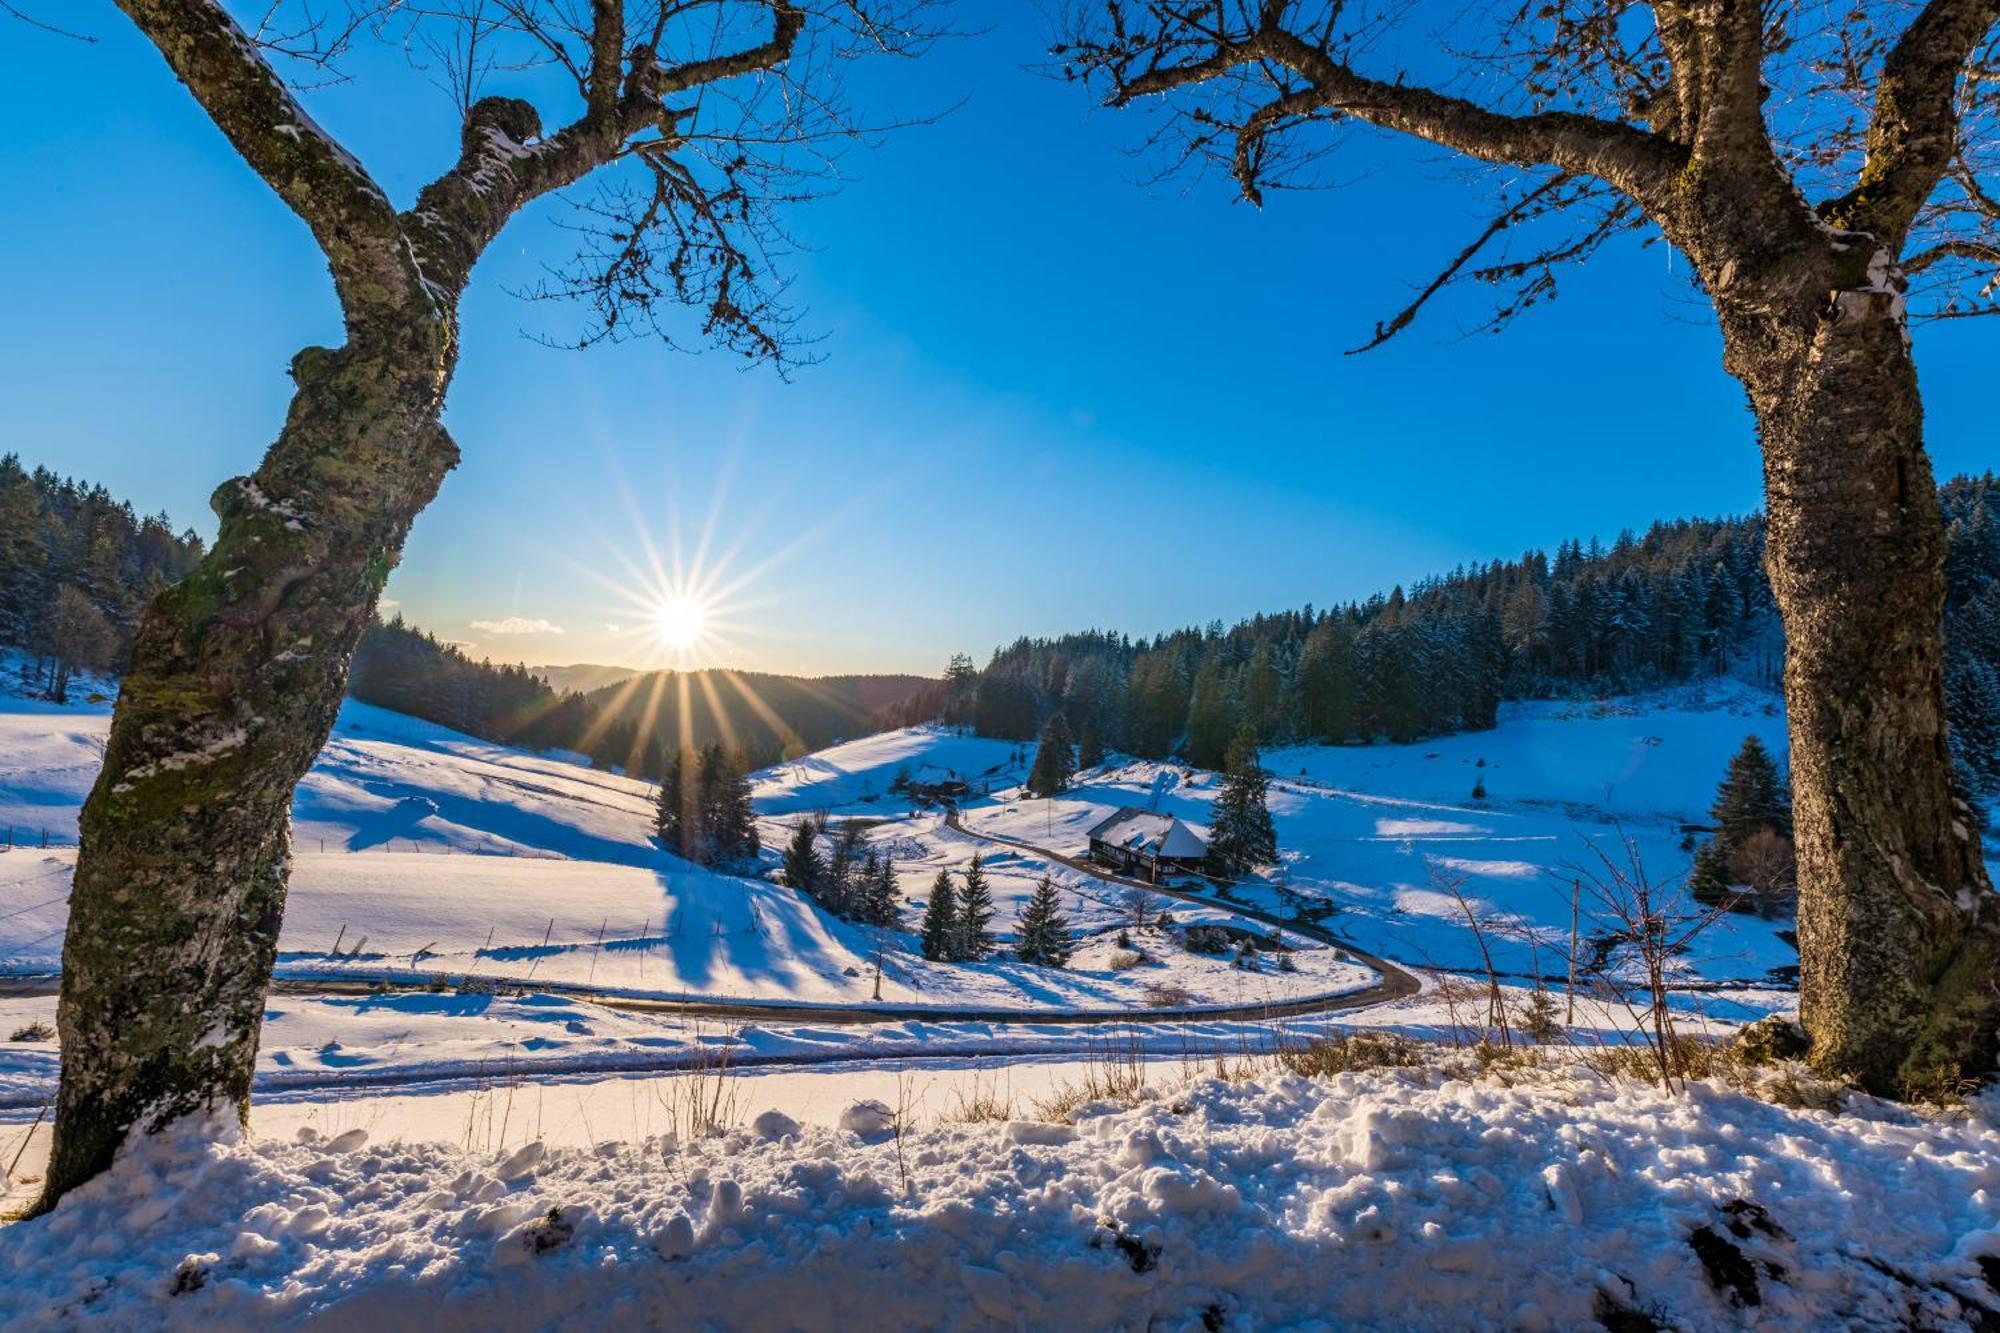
x,y
1053,396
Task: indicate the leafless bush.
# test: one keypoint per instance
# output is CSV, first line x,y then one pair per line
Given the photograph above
x,y
1452,883
1140,907
1167,995
984,1103
1347,1052
1116,1073
34,1032
1124,960
1648,927
705,1100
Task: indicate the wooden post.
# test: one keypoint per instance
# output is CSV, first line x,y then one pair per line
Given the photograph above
x,y
1575,892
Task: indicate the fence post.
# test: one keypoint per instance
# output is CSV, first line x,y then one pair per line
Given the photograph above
x,y
1575,893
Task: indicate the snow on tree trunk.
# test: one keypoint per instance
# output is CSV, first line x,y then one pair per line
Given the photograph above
x,y
234,682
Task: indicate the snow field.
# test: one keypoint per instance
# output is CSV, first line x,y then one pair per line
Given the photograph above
x,y
1424,1198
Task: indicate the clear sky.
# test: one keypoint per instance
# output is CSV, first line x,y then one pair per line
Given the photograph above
x,y
1053,397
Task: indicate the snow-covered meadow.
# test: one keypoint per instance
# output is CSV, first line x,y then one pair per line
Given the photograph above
x,y
510,1145
1408,1198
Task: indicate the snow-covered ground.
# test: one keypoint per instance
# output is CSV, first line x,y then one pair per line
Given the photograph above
x,y
425,854
504,1151
1371,828
1411,1198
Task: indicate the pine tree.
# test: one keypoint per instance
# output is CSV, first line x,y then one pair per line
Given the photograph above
x,y
972,939
1055,759
729,822
804,870
1041,932
1090,742
1751,796
881,900
1243,835
939,932
677,813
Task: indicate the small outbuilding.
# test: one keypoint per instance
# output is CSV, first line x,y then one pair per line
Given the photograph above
x,y
1139,841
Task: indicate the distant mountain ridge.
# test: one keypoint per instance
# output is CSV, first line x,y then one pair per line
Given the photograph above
x,y
583,677
767,717
635,723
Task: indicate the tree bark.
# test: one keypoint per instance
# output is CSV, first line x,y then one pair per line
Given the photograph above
x,y
1899,928
235,679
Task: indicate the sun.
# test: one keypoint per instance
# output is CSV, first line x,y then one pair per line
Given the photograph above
x,y
679,622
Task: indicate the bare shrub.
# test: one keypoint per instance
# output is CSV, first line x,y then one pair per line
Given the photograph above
x,y
1167,995
1650,926
705,1100
34,1032
1124,960
1116,1073
1140,907
1347,1053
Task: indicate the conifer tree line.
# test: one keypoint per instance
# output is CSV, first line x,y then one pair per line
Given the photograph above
x,y
704,812
849,879
1685,600
76,569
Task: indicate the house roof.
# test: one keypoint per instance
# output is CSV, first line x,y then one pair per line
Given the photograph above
x,y
1156,835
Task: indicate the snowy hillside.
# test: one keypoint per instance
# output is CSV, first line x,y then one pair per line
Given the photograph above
x,y
1367,827
423,853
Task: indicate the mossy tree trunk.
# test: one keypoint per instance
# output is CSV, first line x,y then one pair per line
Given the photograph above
x,y
236,675
1899,926
1899,937
238,671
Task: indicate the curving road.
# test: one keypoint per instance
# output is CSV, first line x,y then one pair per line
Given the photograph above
x,y
1395,983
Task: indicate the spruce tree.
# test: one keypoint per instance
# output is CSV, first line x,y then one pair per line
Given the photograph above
x,y
1041,932
1090,742
1055,759
677,813
843,885
729,822
975,913
804,870
1751,796
1243,836
939,932
881,900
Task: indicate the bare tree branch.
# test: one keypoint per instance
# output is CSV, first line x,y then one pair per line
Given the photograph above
x,y
1914,130
320,180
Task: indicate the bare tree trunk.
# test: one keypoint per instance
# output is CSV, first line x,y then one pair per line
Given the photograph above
x,y
235,679
1899,929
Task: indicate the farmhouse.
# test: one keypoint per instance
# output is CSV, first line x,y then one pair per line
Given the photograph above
x,y
1136,840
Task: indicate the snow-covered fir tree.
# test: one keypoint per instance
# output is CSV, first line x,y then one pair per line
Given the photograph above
x,y
1042,932
1243,836
972,939
939,932
1055,759
805,869
729,822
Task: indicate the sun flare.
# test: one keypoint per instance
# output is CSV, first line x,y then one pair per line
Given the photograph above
x,y
679,622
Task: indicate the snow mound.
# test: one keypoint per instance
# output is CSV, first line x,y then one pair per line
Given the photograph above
x,y
1403,1199
1408,1199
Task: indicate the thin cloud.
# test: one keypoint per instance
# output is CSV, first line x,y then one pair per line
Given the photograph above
x,y
517,625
